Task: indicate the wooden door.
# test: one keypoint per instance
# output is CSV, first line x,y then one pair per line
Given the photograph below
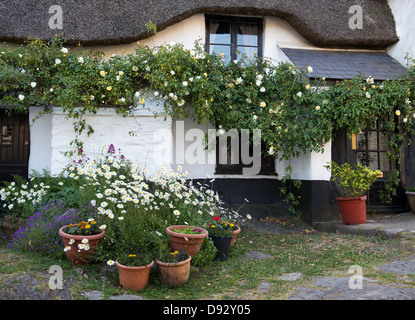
x,y
14,145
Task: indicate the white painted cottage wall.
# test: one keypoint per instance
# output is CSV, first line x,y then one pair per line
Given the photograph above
x,y
403,11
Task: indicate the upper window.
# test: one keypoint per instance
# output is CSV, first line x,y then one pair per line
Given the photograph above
x,y
234,36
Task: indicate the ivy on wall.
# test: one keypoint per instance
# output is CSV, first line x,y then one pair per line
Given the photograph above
x,y
277,98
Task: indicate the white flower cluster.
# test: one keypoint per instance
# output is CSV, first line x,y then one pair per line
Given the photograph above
x,y
14,195
119,185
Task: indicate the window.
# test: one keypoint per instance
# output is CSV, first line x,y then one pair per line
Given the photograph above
x,y
234,36
371,146
6,136
233,163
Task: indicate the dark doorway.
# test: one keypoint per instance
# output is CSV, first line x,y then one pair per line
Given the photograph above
x,y
369,148
14,145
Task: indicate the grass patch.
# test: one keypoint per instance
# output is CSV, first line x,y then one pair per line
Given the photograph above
x,y
311,254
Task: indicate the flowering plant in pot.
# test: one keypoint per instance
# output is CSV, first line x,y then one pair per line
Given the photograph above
x,y
133,270
81,240
173,267
221,232
353,183
186,238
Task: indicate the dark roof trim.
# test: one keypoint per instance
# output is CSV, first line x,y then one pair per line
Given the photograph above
x,y
324,23
342,65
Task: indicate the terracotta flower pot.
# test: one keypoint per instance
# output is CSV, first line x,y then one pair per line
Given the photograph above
x,y
353,210
174,274
189,243
411,200
135,278
74,254
235,234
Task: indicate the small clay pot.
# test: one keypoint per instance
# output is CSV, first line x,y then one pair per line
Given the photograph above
x,y
135,278
174,274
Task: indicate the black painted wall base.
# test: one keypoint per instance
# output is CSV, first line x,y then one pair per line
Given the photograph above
x,y
317,198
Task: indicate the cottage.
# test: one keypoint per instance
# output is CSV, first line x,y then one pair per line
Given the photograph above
x,y
339,40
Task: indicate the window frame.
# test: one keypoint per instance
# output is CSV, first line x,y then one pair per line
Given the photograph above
x,y
234,20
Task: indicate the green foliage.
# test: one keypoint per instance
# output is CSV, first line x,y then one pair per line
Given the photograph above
x,y
135,260
295,115
172,256
352,182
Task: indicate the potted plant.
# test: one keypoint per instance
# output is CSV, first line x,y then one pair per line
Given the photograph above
x,y
353,183
221,232
173,267
410,192
81,240
134,270
186,238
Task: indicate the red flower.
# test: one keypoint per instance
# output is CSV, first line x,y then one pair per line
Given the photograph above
x,y
216,218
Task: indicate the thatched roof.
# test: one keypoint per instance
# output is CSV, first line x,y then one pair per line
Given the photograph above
x,y
322,22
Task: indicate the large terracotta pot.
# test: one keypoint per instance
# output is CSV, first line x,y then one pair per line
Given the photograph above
x,y
353,210
174,274
411,200
135,278
235,234
80,256
189,243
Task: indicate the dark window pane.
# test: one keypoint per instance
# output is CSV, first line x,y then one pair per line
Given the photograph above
x,y
247,34
220,32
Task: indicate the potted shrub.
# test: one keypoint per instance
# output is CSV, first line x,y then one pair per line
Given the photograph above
x,y
81,240
186,238
173,267
353,183
410,192
134,270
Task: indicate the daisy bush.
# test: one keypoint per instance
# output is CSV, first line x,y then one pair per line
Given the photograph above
x,y
136,205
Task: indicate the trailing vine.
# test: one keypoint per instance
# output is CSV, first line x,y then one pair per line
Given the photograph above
x,y
295,115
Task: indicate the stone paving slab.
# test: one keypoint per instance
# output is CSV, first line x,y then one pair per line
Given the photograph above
x,y
339,289
386,225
